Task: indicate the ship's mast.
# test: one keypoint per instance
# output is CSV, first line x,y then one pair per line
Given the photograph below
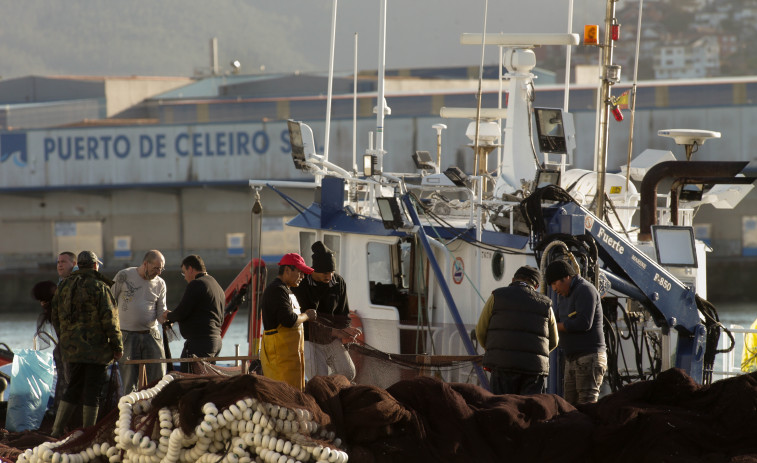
x,y
610,75
380,101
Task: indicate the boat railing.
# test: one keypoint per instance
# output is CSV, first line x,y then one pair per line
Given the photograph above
x,y
729,363
242,361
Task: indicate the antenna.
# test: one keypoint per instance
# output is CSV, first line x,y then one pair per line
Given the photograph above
x,y
689,138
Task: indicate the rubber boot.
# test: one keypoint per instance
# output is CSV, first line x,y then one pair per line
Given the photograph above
x,y
65,410
89,415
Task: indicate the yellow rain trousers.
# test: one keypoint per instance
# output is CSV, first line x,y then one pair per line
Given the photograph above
x,y
283,355
749,358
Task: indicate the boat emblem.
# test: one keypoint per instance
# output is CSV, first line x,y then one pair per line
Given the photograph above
x,y
458,270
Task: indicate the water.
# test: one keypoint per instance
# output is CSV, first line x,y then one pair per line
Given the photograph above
x,y
17,331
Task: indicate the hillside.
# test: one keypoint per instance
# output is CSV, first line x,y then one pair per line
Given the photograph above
x,y
171,37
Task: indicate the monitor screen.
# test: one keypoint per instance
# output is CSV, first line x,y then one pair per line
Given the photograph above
x,y
295,140
550,130
675,245
547,177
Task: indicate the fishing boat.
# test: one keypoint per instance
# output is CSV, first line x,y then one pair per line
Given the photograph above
x,y
421,251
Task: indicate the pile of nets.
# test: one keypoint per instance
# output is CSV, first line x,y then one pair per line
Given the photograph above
x,y
252,418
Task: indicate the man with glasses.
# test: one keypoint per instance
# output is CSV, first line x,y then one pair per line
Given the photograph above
x,y
199,313
282,353
141,296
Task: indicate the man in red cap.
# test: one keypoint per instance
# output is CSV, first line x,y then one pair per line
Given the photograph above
x,y
282,353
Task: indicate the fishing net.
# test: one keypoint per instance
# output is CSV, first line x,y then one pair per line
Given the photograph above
x,y
381,369
204,418
422,419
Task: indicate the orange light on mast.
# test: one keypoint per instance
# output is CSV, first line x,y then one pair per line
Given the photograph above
x,y
591,34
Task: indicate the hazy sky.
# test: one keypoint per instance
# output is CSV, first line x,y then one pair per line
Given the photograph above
x,y
171,37
427,32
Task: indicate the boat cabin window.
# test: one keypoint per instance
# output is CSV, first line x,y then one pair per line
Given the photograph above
x,y
380,263
406,261
382,287
306,241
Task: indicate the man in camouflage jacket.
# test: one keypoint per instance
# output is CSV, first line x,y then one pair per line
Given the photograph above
x,y
84,313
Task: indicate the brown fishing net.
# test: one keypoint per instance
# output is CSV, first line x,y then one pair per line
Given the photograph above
x,y
423,419
378,368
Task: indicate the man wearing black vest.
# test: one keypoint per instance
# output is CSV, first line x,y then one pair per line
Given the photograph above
x,y
518,331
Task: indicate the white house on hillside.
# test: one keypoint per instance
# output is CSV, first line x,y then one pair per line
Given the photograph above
x,y
700,58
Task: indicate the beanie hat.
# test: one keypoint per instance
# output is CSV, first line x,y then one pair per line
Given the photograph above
x,y
528,273
323,258
558,270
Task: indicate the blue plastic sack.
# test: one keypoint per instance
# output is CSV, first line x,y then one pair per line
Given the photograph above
x,y
32,380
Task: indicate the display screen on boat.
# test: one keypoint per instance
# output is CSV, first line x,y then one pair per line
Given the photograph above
x,y
675,245
298,147
550,130
390,212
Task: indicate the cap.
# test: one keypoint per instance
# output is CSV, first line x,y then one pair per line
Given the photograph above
x,y
87,259
528,273
323,258
297,261
558,270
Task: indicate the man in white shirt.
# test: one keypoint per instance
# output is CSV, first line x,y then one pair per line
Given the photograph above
x,y
141,296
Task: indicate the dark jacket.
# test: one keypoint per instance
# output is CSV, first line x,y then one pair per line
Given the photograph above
x,y
201,309
581,314
329,300
276,305
517,339
84,313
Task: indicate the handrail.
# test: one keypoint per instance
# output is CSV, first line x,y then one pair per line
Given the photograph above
x,y
189,360
142,381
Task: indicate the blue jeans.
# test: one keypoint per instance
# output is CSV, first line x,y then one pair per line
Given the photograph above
x,y
583,377
139,346
505,382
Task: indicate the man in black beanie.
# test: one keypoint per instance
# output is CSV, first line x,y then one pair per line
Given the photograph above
x,y
518,331
579,320
326,292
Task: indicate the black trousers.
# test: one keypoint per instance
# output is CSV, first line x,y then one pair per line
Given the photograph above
x,y
200,347
85,383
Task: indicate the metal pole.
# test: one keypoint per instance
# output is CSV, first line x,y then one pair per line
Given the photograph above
x,y
331,82
476,165
380,103
354,109
604,108
567,57
256,235
632,96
